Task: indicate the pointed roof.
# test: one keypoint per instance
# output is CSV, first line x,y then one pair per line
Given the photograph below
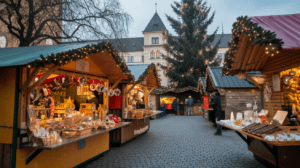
x,y
155,24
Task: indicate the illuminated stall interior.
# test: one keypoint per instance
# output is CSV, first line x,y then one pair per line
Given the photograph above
x,y
56,106
136,104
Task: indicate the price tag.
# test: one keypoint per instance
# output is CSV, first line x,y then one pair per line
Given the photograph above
x,y
70,115
82,114
93,108
90,118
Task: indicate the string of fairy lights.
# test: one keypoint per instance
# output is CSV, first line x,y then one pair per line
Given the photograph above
x,y
175,90
147,71
256,34
80,53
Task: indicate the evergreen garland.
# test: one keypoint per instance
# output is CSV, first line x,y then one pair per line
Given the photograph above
x,y
80,53
257,34
147,71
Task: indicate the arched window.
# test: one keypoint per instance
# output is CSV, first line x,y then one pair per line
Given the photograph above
x,y
152,54
157,54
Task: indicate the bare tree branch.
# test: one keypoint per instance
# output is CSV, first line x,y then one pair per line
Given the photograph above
x,y
32,22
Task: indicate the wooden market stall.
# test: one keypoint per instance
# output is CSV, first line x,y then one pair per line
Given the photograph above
x,y
136,104
271,44
27,69
168,95
232,91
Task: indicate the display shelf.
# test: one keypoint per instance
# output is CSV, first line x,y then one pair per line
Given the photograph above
x,y
155,112
285,143
66,141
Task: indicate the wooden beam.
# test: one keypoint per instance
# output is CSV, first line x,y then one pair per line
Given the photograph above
x,y
262,62
253,81
252,57
151,90
241,52
258,57
124,97
238,57
44,77
130,88
116,84
30,78
247,56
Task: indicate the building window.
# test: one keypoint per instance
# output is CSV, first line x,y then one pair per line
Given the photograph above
x,y
154,40
128,59
132,58
157,54
142,58
158,67
152,55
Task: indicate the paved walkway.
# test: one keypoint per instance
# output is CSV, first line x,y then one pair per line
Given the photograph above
x,y
180,141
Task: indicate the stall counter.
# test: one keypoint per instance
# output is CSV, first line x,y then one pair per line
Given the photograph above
x,y
67,154
280,154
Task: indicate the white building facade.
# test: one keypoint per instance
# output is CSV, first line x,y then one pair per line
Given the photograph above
x,y
149,49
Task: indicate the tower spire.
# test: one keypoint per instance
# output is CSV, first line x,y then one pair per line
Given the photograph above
x,y
155,7
222,29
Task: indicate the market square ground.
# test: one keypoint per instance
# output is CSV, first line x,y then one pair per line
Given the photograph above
x,y
180,141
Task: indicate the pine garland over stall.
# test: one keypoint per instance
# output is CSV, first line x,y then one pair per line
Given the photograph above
x,y
256,34
77,54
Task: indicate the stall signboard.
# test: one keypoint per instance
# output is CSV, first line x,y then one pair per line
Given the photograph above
x,y
206,102
169,106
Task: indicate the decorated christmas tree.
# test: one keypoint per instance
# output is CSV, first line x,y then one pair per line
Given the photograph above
x,y
191,49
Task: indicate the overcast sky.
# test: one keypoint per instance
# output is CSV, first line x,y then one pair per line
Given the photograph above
x,y
226,11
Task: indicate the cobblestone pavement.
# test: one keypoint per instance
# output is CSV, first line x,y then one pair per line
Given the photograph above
x,y
180,141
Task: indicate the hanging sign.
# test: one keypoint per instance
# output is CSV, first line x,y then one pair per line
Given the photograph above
x,y
82,65
205,102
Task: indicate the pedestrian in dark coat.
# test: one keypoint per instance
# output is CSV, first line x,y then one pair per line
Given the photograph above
x,y
174,106
218,112
190,104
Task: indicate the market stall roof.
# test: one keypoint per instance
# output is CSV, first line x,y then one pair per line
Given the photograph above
x,y
201,85
137,70
174,90
258,40
98,59
145,74
214,80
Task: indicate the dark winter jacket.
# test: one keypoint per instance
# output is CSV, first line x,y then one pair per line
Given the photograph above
x,y
217,106
174,105
190,102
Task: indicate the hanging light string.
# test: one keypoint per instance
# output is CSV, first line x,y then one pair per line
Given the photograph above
x,y
256,34
66,57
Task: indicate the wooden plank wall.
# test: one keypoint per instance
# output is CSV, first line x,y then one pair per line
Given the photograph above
x,y
285,60
236,100
5,155
275,99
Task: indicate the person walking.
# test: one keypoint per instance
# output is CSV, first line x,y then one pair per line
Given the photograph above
x,y
163,108
174,106
218,112
190,104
